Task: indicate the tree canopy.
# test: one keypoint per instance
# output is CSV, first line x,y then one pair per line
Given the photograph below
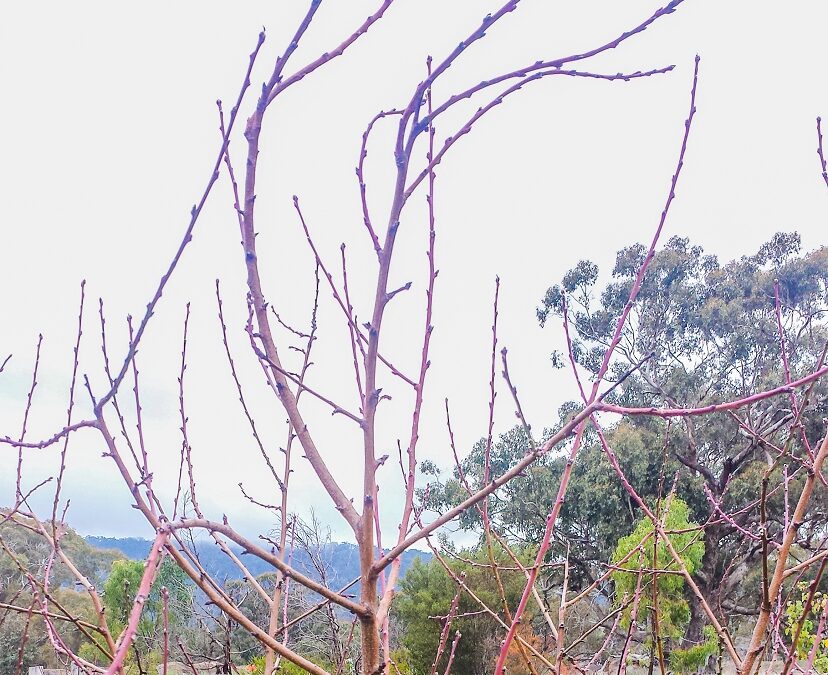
x,y
426,594
641,552
700,332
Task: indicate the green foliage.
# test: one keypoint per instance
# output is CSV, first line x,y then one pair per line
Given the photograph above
x,y
11,637
597,512
119,595
700,331
794,611
402,659
710,328
255,667
253,606
426,592
29,549
684,535
288,668
693,659
33,550
107,570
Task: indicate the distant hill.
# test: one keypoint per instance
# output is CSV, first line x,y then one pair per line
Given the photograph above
x,y
32,551
342,560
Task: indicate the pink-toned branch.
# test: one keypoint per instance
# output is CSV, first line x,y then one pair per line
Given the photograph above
x,y
152,565
818,638
820,152
70,408
775,584
494,103
653,411
165,643
454,642
26,411
482,604
622,668
622,319
188,234
452,613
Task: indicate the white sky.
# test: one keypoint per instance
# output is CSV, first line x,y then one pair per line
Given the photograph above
x,y
110,131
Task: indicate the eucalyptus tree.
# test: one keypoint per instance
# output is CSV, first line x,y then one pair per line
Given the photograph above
x,y
702,332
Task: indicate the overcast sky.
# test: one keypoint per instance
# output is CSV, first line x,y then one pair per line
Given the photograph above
x,y
110,131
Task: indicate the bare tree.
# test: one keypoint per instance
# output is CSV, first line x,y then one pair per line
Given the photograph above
x,y
374,362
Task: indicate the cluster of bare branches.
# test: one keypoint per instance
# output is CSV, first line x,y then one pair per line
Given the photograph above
x,y
418,151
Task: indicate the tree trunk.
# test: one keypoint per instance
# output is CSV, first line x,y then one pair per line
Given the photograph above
x,y
372,664
707,580
693,633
